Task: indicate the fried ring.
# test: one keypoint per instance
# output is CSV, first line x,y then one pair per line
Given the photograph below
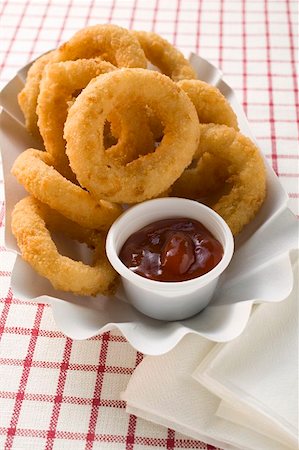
x,y
30,219
245,169
58,85
111,42
210,104
165,56
27,98
34,170
149,175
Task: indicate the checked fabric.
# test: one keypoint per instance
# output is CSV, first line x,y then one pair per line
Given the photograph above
x,y
59,394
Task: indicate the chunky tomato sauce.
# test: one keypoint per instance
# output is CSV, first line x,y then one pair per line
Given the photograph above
x,y
177,249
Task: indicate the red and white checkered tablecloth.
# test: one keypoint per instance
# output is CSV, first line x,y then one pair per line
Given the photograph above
x,y
56,393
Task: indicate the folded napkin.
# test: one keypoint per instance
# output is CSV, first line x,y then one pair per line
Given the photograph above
x,y
163,391
257,374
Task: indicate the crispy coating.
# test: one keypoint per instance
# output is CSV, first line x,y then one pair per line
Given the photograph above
x,y
240,169
150,174
211,106
110,42
30,219
165,56
60,82
34,170
27,98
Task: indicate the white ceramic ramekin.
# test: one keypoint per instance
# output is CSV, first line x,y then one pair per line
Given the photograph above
x,y
168,300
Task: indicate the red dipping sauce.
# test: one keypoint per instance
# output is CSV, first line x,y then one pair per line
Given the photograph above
x,y
172,250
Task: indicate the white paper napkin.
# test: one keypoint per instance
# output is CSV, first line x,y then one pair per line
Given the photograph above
x,y
257,374
163,390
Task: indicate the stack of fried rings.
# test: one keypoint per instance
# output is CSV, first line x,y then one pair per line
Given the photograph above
x,y
116,133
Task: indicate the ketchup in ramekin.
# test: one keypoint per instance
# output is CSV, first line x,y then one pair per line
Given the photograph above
x,y
180,250
177,249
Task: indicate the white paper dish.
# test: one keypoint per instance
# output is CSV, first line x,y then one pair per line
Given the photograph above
x,y
260,270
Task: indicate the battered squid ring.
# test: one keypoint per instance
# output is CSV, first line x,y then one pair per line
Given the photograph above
x,y
30,219
163,55
110,42
245,175
149,175
210,104
33,169
60,81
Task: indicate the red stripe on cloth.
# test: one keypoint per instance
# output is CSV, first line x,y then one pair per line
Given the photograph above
x,y
89,13
132,418
244,59
139,358
56,365
5,311
2,213
16,301
4,7
111,11
27,331
176,21
289,175
220,57
120,6
140,440
283,138
254,120
121,404
119,19
4,273
64,366
39,29
198,29
130,438
131,24
293,60
154,22
13,39
270,88
280,156
63,25
97,391
170,439
24,378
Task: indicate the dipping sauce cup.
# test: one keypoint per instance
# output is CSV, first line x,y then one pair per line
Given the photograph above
x,y
168,300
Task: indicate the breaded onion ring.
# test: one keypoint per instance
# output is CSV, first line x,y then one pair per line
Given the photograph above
x,y
110,42
27,98
210,104
165,56
59,83
149,175
30,219
244,166
34,170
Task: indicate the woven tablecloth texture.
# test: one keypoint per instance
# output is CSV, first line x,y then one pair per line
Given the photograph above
x,y
60,394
